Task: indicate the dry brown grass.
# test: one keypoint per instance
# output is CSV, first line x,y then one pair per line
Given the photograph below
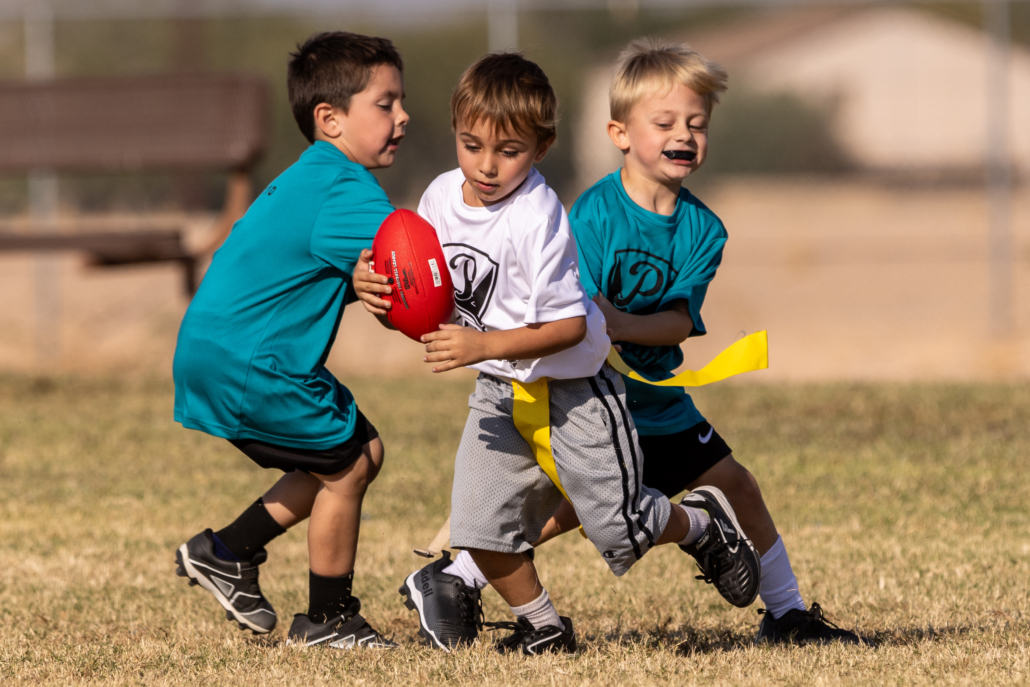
x,y
904,510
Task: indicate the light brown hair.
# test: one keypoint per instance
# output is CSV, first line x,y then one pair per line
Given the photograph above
x,y
650,66
508,91
330,68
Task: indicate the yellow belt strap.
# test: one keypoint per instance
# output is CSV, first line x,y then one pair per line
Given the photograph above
x,y
532,416
746,355
532,408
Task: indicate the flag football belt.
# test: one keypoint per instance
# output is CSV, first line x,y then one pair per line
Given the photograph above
x,y
532,409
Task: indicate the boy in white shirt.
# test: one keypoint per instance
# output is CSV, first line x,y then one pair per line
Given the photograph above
x,y
548,418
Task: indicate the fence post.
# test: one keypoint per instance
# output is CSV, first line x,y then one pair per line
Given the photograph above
x,y
43,192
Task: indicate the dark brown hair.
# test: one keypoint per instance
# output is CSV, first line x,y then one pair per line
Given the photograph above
x,y
330,68
508,91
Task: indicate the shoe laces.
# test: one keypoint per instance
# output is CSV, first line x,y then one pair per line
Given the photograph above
x,y
711,563
813,616
520,631
713,559
816,616
471,604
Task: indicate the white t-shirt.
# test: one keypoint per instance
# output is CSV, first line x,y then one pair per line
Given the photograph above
x,y
513,264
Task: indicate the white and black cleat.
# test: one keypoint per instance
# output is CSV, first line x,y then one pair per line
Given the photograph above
x,y
724,554
449,611
348,632
234,584
532,641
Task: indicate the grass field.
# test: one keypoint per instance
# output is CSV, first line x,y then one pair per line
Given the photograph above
x,y
904,508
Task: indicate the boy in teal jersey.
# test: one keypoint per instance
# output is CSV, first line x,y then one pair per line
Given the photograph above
x,y
647,252
250,359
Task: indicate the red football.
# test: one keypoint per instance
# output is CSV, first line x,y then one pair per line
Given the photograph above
x,y
407,249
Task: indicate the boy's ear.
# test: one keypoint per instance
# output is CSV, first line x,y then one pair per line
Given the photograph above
x,y
541,150
327,121
617,132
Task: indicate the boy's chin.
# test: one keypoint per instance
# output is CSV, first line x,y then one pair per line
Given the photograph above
x,y
384,160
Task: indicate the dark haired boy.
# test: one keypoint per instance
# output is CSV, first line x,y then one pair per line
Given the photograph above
x,y
250,359
548,418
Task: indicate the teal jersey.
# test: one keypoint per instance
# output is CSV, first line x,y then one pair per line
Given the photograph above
x,y
250,358
641,262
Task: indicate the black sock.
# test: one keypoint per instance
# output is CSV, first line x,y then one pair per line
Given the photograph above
x,y
251,531
328,597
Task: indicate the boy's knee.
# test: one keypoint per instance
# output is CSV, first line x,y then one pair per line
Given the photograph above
x,y
367,467
373,455
741,485
355,478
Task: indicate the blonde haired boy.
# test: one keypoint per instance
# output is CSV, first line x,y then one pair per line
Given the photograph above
x,y
648,249
529,328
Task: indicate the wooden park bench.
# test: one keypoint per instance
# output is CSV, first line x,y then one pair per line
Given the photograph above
x,y
178,124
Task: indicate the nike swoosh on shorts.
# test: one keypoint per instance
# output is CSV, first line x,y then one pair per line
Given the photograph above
x,y
708,437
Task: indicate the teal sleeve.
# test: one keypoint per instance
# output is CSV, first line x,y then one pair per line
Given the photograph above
x,y
590,248
348,220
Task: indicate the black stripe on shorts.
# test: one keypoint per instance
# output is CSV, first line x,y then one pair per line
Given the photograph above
x,y
622,466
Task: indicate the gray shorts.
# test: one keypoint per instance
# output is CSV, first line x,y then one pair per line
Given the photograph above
x,y
501,498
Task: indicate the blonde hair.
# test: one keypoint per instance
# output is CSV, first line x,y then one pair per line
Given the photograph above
x,y
510,92
652,65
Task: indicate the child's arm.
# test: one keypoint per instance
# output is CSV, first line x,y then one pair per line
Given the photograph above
x,y
670,327
455,346
367,284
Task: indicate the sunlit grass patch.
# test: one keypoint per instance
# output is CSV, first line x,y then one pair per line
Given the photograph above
x,y
903,509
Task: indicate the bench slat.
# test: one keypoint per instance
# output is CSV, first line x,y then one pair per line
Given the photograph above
x,y
131,124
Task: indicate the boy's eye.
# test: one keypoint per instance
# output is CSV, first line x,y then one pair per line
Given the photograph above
x,y
471,148
386,107
510,154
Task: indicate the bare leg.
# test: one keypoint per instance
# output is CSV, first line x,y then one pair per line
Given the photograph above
x,y
564,520
336,513
290,499
741,489
513,575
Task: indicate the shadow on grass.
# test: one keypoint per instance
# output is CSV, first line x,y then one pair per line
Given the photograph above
x,y
684,639
688,640
908,636
691,641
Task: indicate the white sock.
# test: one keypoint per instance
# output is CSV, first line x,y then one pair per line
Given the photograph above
x,y
539,612
466,568
779,586
699,520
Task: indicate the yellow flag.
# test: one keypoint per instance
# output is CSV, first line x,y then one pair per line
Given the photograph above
x,y
746,355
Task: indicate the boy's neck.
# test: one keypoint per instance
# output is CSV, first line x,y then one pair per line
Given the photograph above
x,y
650,194
337,143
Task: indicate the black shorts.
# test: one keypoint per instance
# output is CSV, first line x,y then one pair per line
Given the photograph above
x,y
672,461
325,462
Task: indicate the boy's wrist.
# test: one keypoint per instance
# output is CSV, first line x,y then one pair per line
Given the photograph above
x,y
616,322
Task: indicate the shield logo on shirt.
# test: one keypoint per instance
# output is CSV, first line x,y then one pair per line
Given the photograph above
x,y
474,274
638,274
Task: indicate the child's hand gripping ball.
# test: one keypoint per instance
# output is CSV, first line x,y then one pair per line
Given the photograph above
x,y
407,249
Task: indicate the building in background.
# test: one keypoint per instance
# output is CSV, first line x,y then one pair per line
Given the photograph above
x,y
905,90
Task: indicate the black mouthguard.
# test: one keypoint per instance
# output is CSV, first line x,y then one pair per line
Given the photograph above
x,y
688,155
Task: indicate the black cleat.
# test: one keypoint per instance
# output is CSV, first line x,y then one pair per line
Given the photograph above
x,y
233,583
801,627
347,631
723,553
531,641
449,611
